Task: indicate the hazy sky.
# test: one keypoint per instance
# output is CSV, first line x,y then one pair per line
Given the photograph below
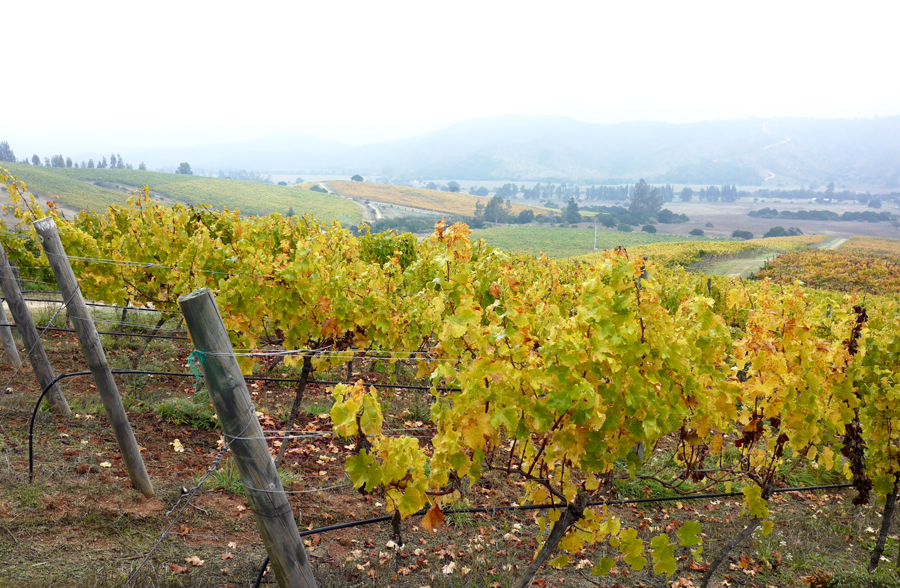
x,y
182,73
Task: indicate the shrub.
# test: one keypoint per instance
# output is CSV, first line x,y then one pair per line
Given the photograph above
x,y
742,235
697,232
782,232
649,229
625,228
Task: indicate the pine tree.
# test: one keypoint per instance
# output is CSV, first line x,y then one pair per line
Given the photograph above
x,y
572,215
645,200
6,153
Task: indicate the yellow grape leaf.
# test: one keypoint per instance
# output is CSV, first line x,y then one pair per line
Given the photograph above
x,y
433,519
176,444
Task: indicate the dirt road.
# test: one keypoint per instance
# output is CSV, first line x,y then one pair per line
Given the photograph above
x,y
741,268
831,244
368,214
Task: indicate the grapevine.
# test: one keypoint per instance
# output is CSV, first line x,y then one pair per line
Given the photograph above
x,y
559,370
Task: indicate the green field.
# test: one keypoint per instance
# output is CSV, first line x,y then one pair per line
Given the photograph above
x,y
564,242
96,189
45,183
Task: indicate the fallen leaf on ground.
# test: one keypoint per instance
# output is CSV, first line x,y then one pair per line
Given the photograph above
x,y
105,464
176,444
433,519
178,569
195,561
227,556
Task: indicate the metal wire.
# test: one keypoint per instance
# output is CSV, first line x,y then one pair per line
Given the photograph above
x,y
190,495
526,507
38,340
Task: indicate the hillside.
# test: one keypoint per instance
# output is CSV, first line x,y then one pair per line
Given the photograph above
x,y
435,200
856,153
96,189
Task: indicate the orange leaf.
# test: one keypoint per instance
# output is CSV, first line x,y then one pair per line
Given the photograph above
x,y
433,519
178,569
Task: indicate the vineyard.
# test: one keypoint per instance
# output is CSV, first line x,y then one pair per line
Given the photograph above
x,y
564,242
859,269
687,253
575,390
435,200
873,245
73,187
53,182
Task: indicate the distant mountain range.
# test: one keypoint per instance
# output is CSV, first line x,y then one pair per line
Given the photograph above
x,y
855,153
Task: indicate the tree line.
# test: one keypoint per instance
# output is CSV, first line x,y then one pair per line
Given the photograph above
x,y
823,215
645,209
116,161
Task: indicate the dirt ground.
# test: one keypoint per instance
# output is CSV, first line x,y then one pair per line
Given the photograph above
x,y
81,524
728,217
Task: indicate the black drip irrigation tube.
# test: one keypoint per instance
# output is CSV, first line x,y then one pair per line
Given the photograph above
x,y
483,509
494,509
37,405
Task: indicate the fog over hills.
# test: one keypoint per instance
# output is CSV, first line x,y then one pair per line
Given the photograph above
x,y
862,153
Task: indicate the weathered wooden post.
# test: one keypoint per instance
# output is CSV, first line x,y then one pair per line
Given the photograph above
x,y
96,358
9,343
25,324
237,415
640,447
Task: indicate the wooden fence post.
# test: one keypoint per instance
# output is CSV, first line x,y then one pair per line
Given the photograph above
x,y
9,343
640,448
96,358
237,415
25,324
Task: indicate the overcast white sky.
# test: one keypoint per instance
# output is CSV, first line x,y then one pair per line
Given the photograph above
x,y
183,73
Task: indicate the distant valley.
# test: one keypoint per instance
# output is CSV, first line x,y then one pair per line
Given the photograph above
x,y
853,153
